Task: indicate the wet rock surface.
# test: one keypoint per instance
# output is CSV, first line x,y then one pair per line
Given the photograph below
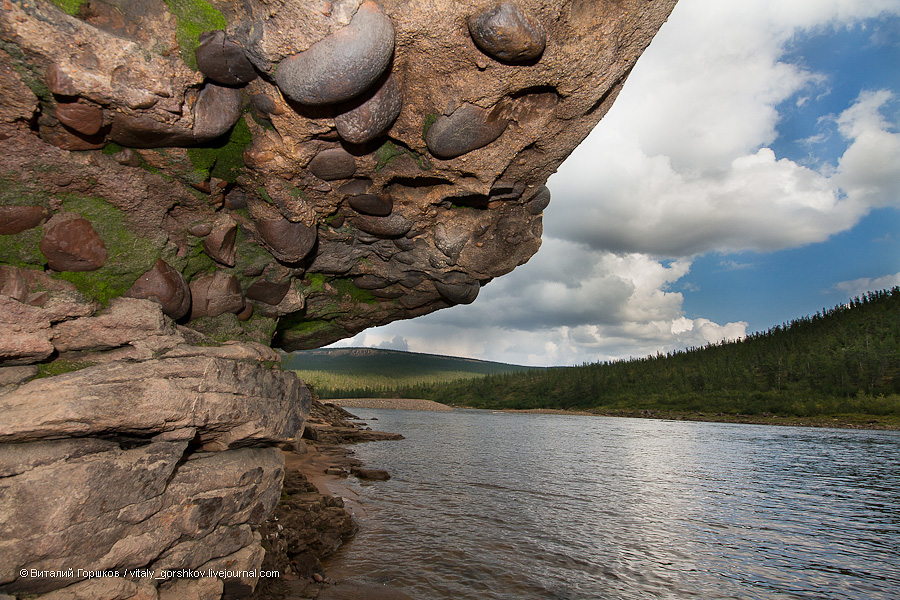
x,y
311,523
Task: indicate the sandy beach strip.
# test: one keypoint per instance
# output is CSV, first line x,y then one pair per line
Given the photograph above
x,y
402,403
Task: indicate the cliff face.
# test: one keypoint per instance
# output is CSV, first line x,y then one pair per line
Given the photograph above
x,y
311,168
184,184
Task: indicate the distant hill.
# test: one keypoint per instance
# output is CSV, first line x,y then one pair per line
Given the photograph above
x,y
362,372
842,361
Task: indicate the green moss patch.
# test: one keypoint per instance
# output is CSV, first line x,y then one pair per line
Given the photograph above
x,y
346,287
72,7
194,17
58,367
223,158
296,332
22,249
227,327
128,255
389,152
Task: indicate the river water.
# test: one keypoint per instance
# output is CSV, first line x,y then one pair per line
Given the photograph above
x,y
524,506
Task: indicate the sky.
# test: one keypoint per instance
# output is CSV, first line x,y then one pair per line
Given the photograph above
x,y
748,174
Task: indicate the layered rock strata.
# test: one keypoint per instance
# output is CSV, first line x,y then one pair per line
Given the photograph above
x,y
151,453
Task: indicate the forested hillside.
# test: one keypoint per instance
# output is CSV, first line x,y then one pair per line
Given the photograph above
x,y
838,361
366,372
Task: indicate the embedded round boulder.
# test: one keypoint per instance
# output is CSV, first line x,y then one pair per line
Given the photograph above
x,y
71,244
269,292
374,116
222,60
344,64
457,288
391,226
216,111
16,219
355,187
469,127
219,243
540,201
508,33
263,103
334,163
377,205
214,295
83,118
288,242
163,284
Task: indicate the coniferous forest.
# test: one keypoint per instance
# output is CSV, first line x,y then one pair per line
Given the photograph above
x,y
841,361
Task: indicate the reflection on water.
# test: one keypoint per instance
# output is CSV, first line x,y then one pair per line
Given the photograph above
x,y
522,506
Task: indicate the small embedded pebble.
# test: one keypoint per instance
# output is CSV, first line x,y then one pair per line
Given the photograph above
x,y
16,219
540,201
216,294
508,33
367,120
344,64
165,285
70,243
469,127
377,205
217,110
246,313
83,118
288,242
222,60
263,103
355,187
128,158
334,163
392,226
269,292
200,229
219,245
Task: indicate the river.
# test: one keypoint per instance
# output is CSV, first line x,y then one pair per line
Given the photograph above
x,y
528,506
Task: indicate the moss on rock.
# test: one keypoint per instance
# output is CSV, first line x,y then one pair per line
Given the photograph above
x,y
194,17
227,327
129,255
22,249
223,158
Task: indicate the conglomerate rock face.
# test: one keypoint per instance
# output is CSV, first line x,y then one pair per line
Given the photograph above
x,y
186,183
298,170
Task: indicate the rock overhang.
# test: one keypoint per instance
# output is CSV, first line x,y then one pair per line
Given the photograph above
x,y
370,161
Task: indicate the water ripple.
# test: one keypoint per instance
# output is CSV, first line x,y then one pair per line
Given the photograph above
x,y
501,506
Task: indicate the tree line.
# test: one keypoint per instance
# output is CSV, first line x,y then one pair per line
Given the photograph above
x,y
839,361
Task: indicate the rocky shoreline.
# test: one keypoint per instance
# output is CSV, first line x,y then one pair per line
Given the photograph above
x,y
311,520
